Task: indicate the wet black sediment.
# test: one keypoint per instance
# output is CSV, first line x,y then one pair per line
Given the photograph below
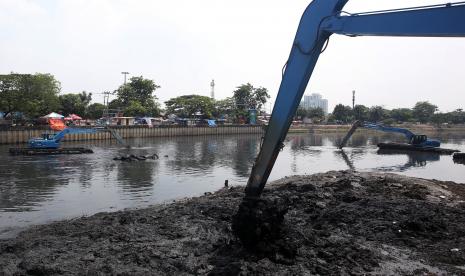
x,y
329,224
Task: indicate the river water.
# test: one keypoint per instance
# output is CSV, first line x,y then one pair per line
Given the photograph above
x,y
40,189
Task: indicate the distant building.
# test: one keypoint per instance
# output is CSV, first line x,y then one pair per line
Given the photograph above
x,y
313,101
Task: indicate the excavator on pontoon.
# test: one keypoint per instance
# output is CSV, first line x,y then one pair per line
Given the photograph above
x,y
418,142
50,143
321,19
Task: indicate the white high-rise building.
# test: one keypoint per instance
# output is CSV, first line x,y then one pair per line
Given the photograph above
x,y
313,101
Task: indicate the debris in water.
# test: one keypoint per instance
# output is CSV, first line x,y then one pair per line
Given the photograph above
x,y
459,157
132,157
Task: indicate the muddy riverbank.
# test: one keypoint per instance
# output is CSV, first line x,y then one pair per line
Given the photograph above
x,y
336,223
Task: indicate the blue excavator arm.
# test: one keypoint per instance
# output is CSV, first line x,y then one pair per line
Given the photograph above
x,y
54,141
60,135
412,138
407,133
320,20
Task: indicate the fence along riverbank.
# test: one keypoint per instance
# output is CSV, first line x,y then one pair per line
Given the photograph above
x,y
18,135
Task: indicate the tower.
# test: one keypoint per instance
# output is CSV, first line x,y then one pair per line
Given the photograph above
x,y
353,99
212,85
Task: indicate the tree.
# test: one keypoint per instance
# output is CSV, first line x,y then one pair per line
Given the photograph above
x,y
457,116
136,109
248,97
75,103
316,114
376,114
86,98
95,111
301,112
11,95
423,111
342,113
224,107
401,114
260,97
190,105
138,92
34,95
439,118
360,112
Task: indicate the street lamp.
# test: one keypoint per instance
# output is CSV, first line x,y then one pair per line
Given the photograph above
x,y
125,73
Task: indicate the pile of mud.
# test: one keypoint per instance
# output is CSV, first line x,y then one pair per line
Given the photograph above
x,y
336,223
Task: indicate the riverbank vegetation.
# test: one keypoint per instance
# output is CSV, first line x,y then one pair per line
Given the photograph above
x,y
26,96
33,95
423,112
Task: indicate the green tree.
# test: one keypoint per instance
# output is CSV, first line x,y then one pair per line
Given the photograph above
x,y
86,98
248,97
360,112
11,96
316,114
34,95
301,112
260,97
439,118
95,111
224,107
423,111
456,117
342,113
402,114
135,109
376,113
190,105
137,90
75,103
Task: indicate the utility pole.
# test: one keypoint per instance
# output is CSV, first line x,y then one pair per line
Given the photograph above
x,y
212,85
353,99
106,100
125,73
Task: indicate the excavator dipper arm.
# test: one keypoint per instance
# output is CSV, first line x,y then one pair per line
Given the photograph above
x,y
321,19
305,51
60,135
407,133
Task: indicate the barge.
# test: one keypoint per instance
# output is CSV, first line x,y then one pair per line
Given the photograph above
x,y
44,151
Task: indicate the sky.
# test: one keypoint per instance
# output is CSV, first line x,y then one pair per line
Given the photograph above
x,y
183,44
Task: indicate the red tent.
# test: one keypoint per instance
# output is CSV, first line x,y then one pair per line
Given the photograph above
x,y
73,117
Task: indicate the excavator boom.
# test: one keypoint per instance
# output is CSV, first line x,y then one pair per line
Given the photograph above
x,y
53,142
420,141
321,19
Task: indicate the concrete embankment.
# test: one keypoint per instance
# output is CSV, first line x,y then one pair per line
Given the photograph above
x,y
337,223
19,135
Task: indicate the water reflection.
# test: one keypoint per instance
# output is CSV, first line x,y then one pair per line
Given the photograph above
x,y
244,155
23,187
193,154
415,159
136,177
346,159
306,144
